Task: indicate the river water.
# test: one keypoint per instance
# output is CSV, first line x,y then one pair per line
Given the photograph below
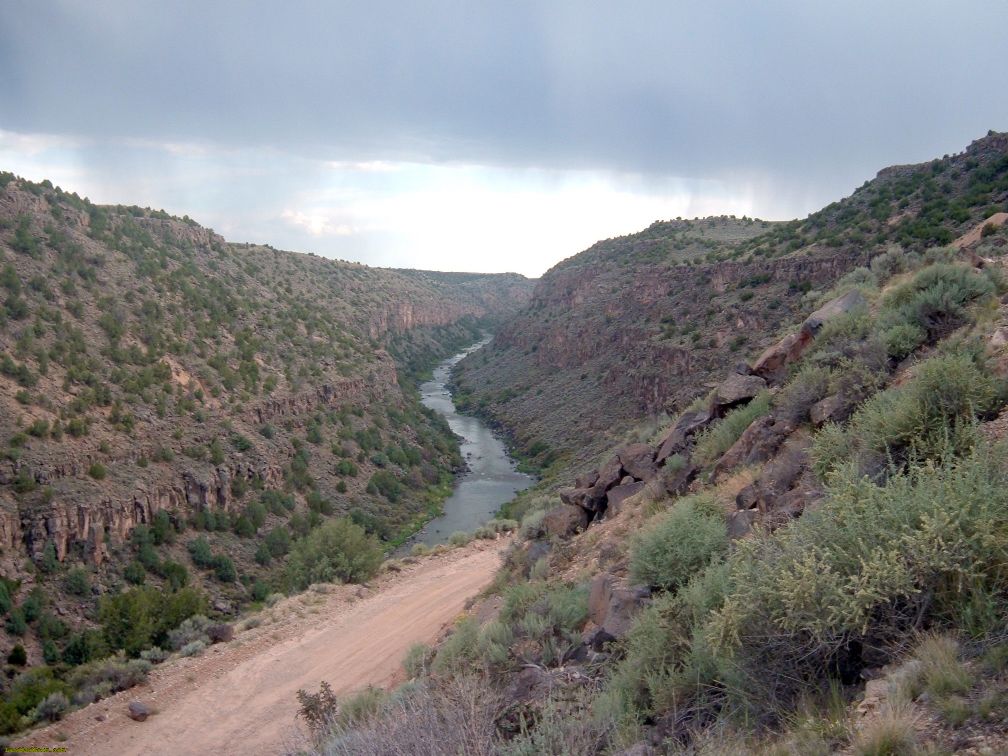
x,y
491,479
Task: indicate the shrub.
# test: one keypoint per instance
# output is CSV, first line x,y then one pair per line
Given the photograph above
x,y
154,655
807,387
418,660
935,299
456,715
192,629
892,733
941,671
77,582
719,438
318,710
116,672
278,541
140,617
460,650
16,623
459,538
201,553
889,263
679,543
531,525
928,416
97,471
18,656
866,565
338,550
51,708
193,649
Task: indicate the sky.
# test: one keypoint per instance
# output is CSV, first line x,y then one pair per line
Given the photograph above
x,y
486,136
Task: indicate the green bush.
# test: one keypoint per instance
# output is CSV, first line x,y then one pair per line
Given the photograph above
x,y
77,582
278,541
201,553
417,660
97,471
925,418
337,550
110,675
719,438
459,538
18,656
934,302
141,617
679,543
865,566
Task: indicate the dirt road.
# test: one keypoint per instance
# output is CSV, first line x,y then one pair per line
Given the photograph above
x,y
240,697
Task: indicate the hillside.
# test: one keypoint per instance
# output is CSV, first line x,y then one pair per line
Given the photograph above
x,y
161,387
809,558
641,325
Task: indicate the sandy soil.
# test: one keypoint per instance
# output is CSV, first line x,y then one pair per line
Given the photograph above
x,y
240,697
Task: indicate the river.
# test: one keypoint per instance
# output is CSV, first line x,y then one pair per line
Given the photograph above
x,y
491,478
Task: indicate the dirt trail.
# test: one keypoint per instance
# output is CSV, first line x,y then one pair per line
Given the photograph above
x,y
240,697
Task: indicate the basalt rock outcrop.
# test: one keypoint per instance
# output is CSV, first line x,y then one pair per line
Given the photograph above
x,y
783,486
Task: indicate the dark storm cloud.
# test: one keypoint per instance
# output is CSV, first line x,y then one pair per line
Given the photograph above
x,y
813,96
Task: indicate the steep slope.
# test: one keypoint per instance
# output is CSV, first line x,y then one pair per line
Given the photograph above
x,y
645,323
154,377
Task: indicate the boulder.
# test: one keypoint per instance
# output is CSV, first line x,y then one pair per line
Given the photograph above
x,y
748,497
573,496
586,480
757,443
774,359
530,684
852,300
638,460
609,476
565,520
613,607
137,711
678,436
598,597
781,474
677,482
619,494
740,523
830,408
734,390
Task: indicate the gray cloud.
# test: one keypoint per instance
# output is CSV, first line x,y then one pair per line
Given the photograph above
x,y
687,88
800,101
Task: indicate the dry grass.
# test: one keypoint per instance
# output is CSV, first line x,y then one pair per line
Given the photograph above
x,y
942,673
892,733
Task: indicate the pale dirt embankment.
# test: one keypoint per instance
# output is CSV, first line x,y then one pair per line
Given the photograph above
x,y
240,697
